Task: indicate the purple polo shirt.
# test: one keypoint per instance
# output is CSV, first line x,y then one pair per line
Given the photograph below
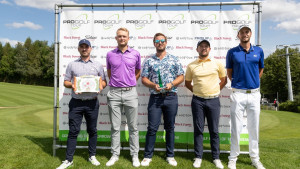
x,y
123,67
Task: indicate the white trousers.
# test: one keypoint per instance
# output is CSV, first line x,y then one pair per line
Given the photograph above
x,y
241,102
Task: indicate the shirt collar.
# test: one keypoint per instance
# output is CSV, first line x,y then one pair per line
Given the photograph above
x,y
206,60
242,49
155,57
80,60
128,49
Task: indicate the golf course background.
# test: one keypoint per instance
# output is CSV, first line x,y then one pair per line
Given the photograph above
x,y
26,129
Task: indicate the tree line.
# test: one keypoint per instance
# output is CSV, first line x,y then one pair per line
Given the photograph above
x,y
28,63
33,63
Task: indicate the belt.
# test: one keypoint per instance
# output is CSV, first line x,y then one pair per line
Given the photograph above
x,y
208,97
88,99
245,90
122,88
166,94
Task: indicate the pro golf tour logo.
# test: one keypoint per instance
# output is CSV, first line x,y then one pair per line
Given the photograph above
x,y
241,20
174,22
78,21
142,22
109,22
206,22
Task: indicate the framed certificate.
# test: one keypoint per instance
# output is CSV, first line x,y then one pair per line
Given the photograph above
x,y
87,84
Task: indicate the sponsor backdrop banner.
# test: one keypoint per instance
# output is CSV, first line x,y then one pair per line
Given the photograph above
x,y
183,29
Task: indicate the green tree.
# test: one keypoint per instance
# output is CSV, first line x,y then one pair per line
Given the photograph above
x,y
274,78
20,60
7,63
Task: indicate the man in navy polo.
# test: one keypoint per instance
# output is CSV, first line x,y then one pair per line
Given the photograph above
x,y
245,65
83,104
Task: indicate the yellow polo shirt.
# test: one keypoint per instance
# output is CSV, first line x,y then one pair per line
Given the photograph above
x,y
205,75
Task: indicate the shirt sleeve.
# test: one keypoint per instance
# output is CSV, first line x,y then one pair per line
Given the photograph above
x,y
145,71
229,60
101,73
222,72
138,63
179,66
108,66
68,75
188,74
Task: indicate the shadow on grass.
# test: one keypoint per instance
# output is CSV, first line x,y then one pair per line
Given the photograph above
x,y
45,143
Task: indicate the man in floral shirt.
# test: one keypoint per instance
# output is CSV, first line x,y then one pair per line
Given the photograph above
x,y
161,73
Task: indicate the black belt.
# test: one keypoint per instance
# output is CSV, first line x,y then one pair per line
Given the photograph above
x,y
166,94
89,99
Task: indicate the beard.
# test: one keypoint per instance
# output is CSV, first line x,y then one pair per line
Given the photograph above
x,y
160,50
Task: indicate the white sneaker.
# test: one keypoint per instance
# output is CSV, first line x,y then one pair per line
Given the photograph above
x,y
172,161
136,162
232,164
258,165
94,161
112,160
197,162
65,164
146,161
218,163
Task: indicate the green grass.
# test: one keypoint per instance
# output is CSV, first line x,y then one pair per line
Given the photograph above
x,y
26,137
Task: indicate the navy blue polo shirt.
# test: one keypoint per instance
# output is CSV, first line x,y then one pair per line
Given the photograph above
x,y
245,66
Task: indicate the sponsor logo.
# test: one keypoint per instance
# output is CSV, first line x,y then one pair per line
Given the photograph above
x,y
145,37
241,20
78,21
223,38
200,38
90,37
206,22
170,47
72,37
146,47
184,47
108,37
109,22
70,47
184,38
142,22
174,22
221,48
220,57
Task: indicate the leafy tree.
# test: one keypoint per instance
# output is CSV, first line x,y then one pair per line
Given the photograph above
x,y
7,63
274,78
20,60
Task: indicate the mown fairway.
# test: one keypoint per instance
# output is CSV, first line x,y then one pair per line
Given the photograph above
x,y
26,118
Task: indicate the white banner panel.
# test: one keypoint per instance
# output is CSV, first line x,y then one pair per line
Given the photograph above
x,y
183,29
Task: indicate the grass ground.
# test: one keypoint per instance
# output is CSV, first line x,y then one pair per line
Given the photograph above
x,y
26,137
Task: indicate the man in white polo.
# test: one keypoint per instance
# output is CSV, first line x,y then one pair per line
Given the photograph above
x,y
245,65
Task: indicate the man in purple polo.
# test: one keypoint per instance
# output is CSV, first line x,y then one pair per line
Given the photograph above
x,y
123,70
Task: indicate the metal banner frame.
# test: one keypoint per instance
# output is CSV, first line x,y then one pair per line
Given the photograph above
x,y
123,5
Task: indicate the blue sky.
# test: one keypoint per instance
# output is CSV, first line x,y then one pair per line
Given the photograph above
x,y
35,19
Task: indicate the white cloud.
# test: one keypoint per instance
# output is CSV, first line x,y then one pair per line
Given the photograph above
x,y
292,26
11,42
285,13
42,4
26,24
5,2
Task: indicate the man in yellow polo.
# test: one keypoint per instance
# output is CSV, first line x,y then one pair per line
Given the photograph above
x,y
208,77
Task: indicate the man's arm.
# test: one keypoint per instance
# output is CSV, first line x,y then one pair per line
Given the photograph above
x,y
137,74
223,82
229,73
179,79
150,84
261,70
68,84
109,73
188,84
